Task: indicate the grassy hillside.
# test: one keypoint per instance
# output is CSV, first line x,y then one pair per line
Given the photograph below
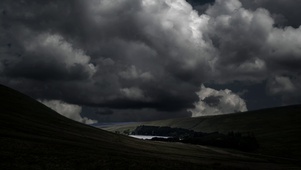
x,y
278,130
35,137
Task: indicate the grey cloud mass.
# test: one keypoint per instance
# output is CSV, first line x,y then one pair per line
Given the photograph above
x,y
216,102
148,57
285,12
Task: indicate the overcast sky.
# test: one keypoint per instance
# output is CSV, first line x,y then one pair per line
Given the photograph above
x,y
138,60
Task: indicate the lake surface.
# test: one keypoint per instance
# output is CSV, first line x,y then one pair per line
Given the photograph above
x,y
148,137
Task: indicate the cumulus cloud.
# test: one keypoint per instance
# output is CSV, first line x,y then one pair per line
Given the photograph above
x,y
217,102
70,111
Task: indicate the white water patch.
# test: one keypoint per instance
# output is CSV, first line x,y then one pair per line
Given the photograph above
x,y
148,137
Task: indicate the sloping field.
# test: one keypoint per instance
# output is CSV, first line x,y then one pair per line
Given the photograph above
x,y
278,130
35,137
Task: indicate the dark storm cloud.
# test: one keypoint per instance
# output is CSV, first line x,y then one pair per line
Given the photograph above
x,y
286,87
36,51
104,111
134,54
250,47
114,53
132,115
285,13
200,5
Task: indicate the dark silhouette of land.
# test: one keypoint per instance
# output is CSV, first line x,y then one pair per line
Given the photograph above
x,y
35,137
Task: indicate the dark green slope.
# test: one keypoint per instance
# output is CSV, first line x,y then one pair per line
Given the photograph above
x,y
33,136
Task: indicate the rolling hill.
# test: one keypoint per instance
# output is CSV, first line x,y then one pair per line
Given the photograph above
x,y
278,130
35,137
